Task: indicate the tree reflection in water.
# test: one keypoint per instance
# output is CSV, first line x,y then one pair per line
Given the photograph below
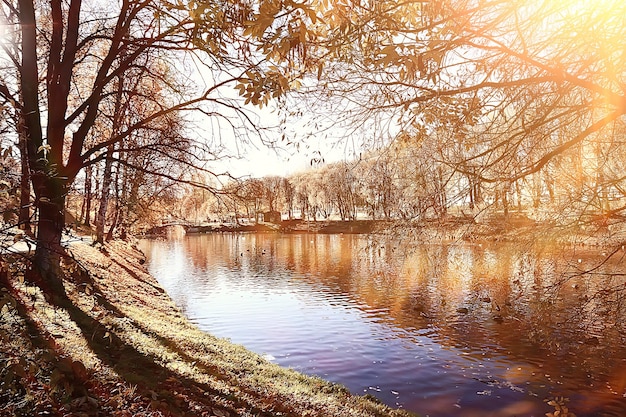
x,y
452,330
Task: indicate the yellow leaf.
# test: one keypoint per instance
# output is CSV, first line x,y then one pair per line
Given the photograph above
x,y
45,148
295,84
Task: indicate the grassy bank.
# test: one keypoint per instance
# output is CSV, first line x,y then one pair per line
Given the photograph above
x,y
123,349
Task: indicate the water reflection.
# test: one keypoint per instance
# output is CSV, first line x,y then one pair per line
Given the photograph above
x,y
446,330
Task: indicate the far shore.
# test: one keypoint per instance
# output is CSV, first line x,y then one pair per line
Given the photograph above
x,y
513,228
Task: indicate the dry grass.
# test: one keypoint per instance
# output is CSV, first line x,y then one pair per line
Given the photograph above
x,y
123,348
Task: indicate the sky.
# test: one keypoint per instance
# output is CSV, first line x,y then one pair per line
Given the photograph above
x,y
259,161
263,162
299,144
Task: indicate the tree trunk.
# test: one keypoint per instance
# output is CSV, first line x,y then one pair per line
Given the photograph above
x,y
88,171
123,204
109,235
45,162
104,200
505,201
116,214
130,200
24,213
537,191
518,192
50,204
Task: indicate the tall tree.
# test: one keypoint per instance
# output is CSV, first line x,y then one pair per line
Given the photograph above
x,y
68,59
514,85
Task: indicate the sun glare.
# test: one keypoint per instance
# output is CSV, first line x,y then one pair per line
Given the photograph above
x,y
588,5
4,38
605,8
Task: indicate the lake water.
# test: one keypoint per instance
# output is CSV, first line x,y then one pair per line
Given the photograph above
x,y
442,330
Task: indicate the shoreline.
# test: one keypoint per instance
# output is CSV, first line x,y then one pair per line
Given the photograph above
x,y
453,229
123,348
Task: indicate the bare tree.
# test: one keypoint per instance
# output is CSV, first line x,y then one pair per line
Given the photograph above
x,y
272,188
68,59
289,193
504,90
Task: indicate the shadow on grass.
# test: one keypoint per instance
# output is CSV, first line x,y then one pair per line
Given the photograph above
x,y
152,380
156,387
142,369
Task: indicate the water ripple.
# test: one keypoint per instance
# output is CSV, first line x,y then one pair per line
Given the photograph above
x,y
450,331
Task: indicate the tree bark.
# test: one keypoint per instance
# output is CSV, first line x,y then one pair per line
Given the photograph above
x,y
104,199
116,214
24,213
49,186
88,195
51,193
109,235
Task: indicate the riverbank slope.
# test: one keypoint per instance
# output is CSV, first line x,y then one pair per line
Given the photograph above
x,y
124,349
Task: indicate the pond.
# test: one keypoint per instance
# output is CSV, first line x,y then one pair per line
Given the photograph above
x,y
442,330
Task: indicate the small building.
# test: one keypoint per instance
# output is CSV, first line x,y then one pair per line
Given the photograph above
x,y
272,217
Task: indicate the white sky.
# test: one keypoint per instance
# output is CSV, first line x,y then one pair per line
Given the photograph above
x,y
298,145
264,162
259,161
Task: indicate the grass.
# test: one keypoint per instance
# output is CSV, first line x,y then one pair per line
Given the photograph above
x,y
122,348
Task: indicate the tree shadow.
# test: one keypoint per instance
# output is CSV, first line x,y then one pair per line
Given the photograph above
x,y
144,367
152,379
140,368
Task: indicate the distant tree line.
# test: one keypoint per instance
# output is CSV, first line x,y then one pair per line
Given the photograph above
x,y
408,182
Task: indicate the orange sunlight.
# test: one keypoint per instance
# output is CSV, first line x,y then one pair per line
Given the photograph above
x,y
606,6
